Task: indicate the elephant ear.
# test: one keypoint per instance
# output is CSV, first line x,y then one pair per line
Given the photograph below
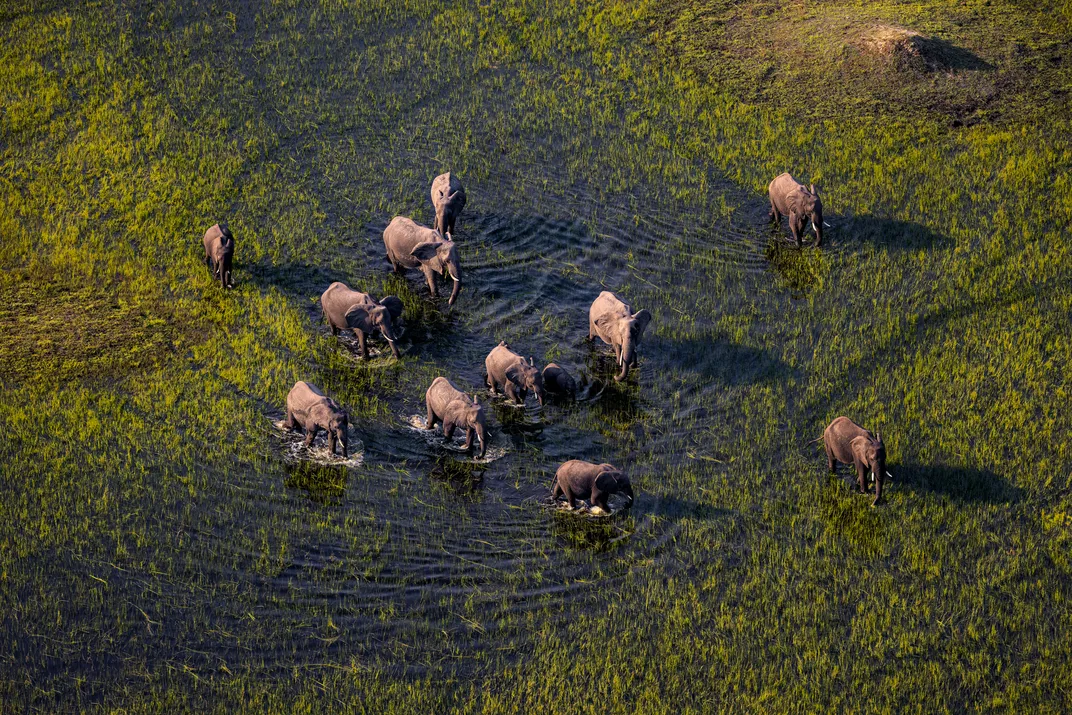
x,y
859,446
394,306
425,251
358,317
605,323
642,318
513,373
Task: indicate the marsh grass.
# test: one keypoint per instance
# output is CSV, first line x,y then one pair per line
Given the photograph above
x,y
157,555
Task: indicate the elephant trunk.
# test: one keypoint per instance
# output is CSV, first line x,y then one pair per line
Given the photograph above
x,y
626,359
817,224
628,491
880,475
481,437
345,446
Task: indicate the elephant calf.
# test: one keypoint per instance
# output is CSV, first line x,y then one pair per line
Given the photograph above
x,y
595,482
410,245
558,382
219,254
615,324
448,198
509,370
790,198
453,408
311,410
849,443
347,309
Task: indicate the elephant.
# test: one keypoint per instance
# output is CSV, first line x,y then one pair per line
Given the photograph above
x,y
596,482
558,382
509,370
311,410
448,198
453,408
791,198
347,309
849,443
219,254
615,324
410,245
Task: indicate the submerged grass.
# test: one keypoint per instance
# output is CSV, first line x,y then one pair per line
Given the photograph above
x,y
156,553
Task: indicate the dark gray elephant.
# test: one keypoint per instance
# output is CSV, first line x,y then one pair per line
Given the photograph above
x,y
508,370
613,322
790,198
849,443
453,408
347,309
219,254
558,382
311,410
595,482
448,198
410,245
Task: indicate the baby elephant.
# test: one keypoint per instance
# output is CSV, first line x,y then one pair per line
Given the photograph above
x,y
448,198
558,382
310,410
595,482
410,245
615,324
509,370
347,309
453,408
790,198
219,254
849,443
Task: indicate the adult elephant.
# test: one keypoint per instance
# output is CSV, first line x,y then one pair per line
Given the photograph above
x,y
849,443
453,408
347,309
615,323
219,254
788,197
410,245
577,479
310,410
508,370
448,199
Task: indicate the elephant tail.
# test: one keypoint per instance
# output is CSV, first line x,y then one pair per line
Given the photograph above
x,y
817,439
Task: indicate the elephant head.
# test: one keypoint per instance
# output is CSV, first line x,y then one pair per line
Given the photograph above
x,y
804,205
445,205
612,481
528,378
871,453
628,330
338,430
394,307
369,318
441,257
475,421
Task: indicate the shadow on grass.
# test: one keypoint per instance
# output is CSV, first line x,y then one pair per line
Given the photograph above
x,y
960,483
322,484
675,508
720,360
888,233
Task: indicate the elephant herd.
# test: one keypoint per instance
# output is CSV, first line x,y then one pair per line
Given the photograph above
x,y
409,245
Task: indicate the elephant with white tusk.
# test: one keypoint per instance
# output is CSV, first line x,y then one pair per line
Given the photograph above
x,y
347,309
219,254
410,245
310,410
614,322
849,443
788,197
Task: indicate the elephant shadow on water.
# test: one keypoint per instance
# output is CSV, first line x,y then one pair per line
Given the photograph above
x,y
718,359
462,478
321,483
965,484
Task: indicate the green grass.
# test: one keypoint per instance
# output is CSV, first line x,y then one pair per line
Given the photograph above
x,y
134,574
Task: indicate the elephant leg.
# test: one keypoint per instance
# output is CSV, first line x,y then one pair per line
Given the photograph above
x,y
334,330
831,462
556,490
490,382
310,435
591,330
773,215
511,391
598,498
429,277
289,423
361,343
448,430
861,476
469,432
429,423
